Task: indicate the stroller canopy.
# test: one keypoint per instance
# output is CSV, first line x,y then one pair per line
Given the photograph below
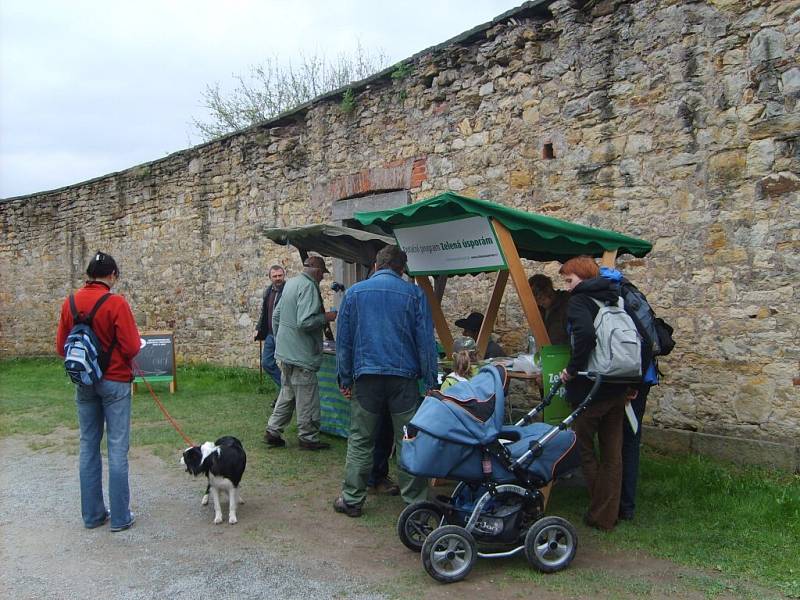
x,y
471,412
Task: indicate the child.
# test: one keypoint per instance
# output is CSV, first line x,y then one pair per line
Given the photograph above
x,y
464,355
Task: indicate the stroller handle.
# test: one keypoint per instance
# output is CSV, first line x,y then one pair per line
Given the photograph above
x,y
535,448
531,416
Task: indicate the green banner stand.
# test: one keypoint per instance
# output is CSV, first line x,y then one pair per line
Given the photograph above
x,y
554,359
334,408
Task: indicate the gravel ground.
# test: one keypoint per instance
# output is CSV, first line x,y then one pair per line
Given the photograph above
x,y
173,550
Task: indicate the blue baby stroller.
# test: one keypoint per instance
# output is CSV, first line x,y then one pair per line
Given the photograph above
x,y
497,508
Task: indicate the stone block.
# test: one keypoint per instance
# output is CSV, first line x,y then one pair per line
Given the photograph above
x,y
790,80
727,165
767,44
777,184
519,179
782,125
745,451
671,441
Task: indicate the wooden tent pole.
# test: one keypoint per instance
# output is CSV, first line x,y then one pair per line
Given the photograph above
x,y
609,257
491,312
439,322
529,306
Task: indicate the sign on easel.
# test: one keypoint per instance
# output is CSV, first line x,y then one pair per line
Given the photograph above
x,y
156,359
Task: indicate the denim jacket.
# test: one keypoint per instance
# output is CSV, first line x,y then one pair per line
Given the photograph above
x,y
384,327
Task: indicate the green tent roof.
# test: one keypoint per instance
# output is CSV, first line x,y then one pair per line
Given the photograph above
x,y
537,237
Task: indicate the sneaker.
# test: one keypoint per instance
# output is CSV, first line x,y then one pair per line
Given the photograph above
x,y
100,523
386,487
274,441
304,445
351,510
128,525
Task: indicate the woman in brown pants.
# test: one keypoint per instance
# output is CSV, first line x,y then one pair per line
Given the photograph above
x,y
605,415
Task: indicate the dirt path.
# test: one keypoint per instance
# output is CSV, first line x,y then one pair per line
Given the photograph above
x,y
288,544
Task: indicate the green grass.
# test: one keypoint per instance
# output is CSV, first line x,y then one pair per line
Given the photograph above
x,y
738,522
740,525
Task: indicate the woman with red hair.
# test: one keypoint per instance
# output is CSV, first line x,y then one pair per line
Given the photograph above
x,y
604,416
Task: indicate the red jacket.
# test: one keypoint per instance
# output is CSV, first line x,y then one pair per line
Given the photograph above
x,y
114,318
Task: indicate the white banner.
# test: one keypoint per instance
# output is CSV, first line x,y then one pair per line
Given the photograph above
x,y
466,245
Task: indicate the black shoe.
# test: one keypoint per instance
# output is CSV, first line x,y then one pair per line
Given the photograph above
x,y
385,487
351,510
626,515
313,445
274,441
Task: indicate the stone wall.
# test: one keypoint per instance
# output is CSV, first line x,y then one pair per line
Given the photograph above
x,y
673,121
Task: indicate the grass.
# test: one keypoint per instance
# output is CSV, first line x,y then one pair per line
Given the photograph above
x,y
740,525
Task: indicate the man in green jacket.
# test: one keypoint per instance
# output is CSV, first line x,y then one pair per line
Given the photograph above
x,y
298,322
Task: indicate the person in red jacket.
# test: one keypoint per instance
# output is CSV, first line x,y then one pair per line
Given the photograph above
x,y
107,402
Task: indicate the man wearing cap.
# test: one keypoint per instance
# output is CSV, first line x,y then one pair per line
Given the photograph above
x,y
298,322
107,403
471,326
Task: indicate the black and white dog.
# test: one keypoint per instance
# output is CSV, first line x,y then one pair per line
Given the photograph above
x,y
223,462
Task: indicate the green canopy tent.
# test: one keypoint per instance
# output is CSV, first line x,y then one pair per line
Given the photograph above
x,y
517,234
537,237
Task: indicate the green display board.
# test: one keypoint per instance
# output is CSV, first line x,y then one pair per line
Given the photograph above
x,y
554,359
334,408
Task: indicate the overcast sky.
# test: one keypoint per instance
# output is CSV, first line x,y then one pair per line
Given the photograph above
x,y
90,87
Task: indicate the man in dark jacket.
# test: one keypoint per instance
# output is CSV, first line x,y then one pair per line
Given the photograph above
x,y
277,277
605,415
107,403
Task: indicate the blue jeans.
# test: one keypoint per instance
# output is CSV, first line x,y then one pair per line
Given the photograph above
x,y
268,359
106,403
631,444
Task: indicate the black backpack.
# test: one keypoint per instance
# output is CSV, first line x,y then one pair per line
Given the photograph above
x,y
656,332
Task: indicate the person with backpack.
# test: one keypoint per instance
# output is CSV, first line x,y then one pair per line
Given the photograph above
x,y
656,341
98,336
603,418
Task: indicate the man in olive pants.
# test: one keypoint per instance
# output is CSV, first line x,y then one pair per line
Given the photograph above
x,y
384,345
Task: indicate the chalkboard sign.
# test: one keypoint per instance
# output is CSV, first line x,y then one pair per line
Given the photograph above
x,y
156,359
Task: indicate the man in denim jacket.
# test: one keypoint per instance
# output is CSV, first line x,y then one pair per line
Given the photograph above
x,y
384,345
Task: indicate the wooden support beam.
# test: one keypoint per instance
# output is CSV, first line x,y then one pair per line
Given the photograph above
x,y
529,306
490,316
609,258
439,322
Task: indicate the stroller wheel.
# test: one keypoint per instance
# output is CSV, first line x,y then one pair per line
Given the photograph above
x,y
449,553
550,544
416,522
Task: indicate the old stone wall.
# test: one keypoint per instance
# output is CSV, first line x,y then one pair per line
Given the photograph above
x,y
674,121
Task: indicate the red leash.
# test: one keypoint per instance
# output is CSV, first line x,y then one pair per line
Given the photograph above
x,y
161,406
